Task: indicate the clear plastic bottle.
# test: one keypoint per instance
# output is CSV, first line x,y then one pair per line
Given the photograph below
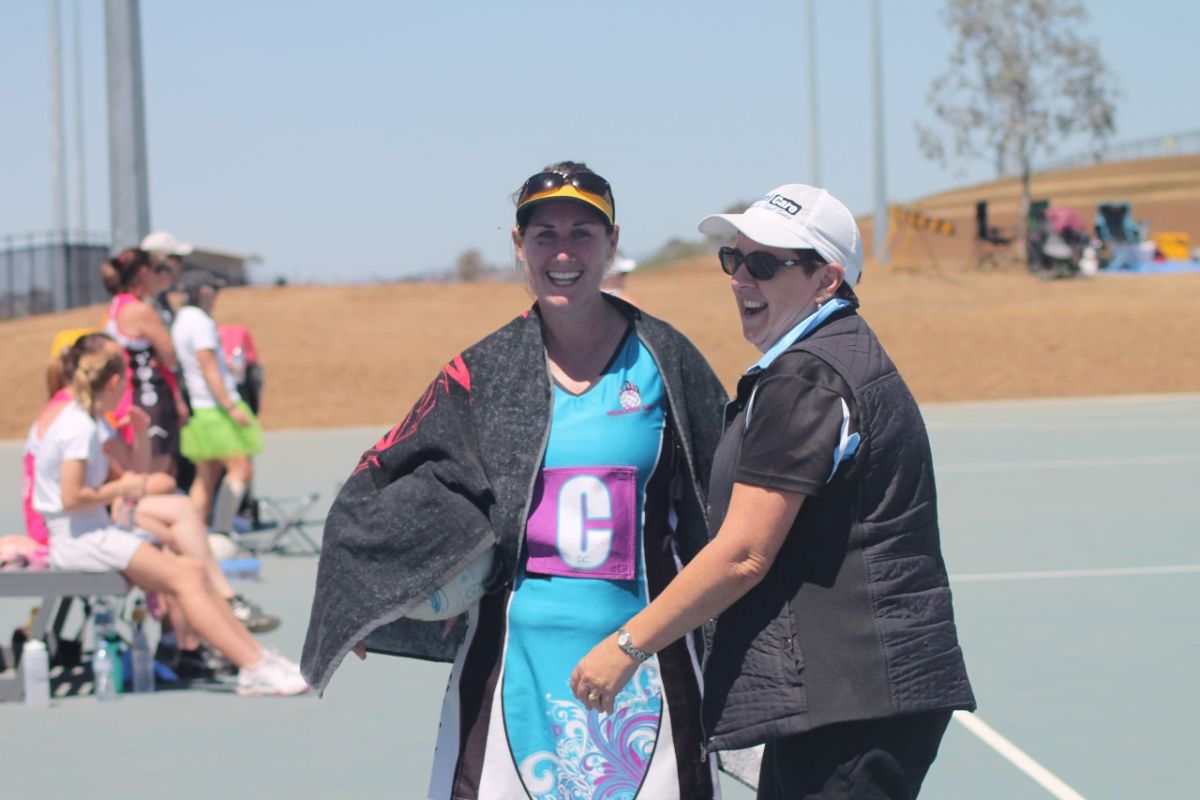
x,y
102,672
35,670
142,659
125,514
108,684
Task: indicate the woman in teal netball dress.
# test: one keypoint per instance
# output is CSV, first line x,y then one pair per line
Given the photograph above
x,y
594,504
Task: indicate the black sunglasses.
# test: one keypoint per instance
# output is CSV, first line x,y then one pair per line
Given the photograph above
x,y
588,182
762,266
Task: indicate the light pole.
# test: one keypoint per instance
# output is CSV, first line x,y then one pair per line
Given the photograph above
x,y
881,210
128,171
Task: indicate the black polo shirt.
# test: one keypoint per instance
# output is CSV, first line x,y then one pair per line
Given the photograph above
x,y
789,427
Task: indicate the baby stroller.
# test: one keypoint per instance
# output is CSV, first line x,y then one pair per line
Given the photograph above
x,y
1057,238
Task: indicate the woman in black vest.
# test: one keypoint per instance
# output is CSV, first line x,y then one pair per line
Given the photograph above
x,y
835,644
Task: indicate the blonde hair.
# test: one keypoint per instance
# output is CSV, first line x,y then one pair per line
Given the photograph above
x,y
61,371
92,374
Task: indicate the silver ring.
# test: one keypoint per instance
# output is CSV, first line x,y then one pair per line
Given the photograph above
x,y
593,695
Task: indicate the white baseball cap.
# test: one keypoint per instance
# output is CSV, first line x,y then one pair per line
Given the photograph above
x,y
622,265
167,244
796,216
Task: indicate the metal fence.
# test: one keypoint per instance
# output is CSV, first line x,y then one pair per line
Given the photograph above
x,y
42,272
1177,144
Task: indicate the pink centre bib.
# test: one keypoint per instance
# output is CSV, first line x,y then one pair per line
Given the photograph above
x,y
584,523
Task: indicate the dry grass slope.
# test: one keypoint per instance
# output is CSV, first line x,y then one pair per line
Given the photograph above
x,y
352,355
361,355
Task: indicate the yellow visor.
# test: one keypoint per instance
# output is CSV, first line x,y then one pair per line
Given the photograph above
x,y
569,192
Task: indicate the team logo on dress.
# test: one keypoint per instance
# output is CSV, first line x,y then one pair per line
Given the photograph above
x,y
630,396
631,400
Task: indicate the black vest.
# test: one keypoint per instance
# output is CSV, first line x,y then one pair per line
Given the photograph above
x,y
853,620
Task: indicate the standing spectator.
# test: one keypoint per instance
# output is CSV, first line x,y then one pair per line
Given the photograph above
x,y
137,327
223,432
166,251
835,643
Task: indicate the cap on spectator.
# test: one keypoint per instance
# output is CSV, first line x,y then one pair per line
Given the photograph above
x,y
622,265
167,244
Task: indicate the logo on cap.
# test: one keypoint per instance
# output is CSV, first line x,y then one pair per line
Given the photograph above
x,y
782,203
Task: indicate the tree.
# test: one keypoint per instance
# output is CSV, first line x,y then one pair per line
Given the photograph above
x,y
469,267
1020,79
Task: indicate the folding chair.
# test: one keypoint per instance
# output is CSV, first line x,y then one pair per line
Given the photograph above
x,y
987,238
1120,234
283,517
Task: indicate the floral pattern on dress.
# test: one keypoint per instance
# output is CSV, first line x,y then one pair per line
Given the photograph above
x,y
599,757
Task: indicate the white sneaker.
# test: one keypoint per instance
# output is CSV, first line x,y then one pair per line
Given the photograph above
x,y
273,675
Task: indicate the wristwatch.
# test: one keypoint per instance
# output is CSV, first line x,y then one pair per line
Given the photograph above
x,y
625,642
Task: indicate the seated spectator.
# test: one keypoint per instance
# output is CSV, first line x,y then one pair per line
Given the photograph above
x,y
170,517
71,490
21,552
223,432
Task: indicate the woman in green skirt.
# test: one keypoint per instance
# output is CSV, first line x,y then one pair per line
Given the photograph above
x,y
223,432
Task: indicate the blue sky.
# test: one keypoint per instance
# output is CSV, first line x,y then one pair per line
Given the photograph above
x,y
364,140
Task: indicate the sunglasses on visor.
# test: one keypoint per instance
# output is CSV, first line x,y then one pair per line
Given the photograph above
x,y
588,182
761,266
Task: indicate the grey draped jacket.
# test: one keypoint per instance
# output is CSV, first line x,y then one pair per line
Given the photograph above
x,y
456,477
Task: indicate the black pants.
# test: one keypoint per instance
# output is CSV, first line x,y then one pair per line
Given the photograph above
x,y
882,759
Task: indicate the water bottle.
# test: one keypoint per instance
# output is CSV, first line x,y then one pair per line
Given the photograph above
x,y
143,661
116,652
108,641
35,669
102,673
125,514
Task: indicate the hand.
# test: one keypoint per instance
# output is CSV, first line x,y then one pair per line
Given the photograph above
x,y
132,485
239,416
360,650
139,419
182,410
601,675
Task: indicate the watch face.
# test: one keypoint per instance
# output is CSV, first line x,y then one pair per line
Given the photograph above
x,y
624,639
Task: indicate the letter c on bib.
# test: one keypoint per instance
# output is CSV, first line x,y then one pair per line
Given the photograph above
x,y
584,505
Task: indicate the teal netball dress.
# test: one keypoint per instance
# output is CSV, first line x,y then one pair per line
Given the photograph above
x,y
598,547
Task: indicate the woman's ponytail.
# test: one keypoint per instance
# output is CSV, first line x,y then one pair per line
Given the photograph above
x,y
117,274
92,374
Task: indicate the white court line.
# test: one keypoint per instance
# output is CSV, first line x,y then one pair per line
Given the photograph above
x,y
1110,572
1018,757
1184,398
1068,463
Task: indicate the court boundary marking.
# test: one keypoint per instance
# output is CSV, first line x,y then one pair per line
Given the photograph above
x,y
1068,463
1017,757
1099,572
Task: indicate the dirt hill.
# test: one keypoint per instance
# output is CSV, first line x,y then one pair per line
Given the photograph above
x,y
351,355
1164,192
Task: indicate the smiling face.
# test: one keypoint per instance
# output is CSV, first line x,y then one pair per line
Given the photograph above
x,y
566,248
770,308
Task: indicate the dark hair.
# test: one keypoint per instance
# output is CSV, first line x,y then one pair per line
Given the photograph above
x,y
62,369
566,169
811,261
118,273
